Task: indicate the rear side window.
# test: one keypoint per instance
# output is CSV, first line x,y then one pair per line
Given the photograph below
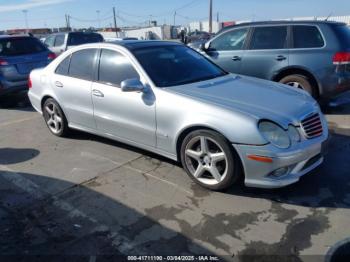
x,y
59,40
307,37
84,38
20,46
82,64
232,40
273,37
343,33
63,67
115,68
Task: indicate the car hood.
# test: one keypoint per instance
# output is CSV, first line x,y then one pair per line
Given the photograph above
x,y
261,99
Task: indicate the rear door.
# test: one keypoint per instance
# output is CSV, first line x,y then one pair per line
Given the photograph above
x,y
72,85
227,50
267,52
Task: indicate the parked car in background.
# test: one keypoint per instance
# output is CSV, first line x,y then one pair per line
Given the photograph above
x,y
112,39
226,126
196,36
311,55
18,56
60,42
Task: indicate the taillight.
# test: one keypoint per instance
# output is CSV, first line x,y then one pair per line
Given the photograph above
x,y
341,58
51,56
3,62
29,83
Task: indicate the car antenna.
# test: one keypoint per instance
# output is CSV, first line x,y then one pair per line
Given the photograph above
x,y
328,16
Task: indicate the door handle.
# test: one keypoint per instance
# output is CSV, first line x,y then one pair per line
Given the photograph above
x,y
58,84
98,93
281,58
236,58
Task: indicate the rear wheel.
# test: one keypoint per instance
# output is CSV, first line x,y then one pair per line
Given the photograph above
x,y
300,81
209,161
55,118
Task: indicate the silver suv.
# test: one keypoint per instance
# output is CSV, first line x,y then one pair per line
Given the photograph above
x,y
60,42
312,55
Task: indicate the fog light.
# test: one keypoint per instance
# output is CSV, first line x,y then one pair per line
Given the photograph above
x,y
280,172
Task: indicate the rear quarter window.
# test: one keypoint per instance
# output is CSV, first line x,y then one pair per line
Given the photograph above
x,y
305,36
63,67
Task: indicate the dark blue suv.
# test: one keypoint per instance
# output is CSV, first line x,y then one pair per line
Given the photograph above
x,y
312,55
19,55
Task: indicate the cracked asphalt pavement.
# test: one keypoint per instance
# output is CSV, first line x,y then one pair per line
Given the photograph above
x,y
92,198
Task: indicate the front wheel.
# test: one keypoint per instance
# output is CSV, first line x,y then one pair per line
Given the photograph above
x,y
209,160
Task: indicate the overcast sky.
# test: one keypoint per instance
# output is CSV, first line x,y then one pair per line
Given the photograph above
x,y
85,13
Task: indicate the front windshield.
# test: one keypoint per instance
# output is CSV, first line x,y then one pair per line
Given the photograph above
x,y
173,65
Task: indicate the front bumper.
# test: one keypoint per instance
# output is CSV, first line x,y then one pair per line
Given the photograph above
x,y
299,160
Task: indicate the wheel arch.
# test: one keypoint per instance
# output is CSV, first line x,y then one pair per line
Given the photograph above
x,y
184,132
47,96
298,71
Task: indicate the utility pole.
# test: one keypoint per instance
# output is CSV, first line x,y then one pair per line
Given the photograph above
x,y
25,12
115,22
210,16
98,18
175,18
217,17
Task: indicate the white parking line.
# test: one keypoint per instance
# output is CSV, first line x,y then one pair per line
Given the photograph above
x,y
18,121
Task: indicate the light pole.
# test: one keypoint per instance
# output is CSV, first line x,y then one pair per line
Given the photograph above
x,y
25,12
98,18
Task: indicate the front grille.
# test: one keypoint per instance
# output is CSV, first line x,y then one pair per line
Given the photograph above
x,y
312,126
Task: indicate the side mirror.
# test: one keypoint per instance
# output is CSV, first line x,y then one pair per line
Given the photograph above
x,y
204,47
132,85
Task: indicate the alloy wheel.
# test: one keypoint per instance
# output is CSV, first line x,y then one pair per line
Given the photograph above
x,y
296,85
206,160
54,118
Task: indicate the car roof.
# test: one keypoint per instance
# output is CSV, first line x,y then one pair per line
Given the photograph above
x,y
284,22
135,44
14,36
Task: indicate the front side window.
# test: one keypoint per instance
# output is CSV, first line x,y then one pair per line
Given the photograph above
x,y
59,40
82,64
115,68
171,65
307,37
273,37
232,40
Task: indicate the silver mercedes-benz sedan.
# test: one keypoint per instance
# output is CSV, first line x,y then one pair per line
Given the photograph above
x,y
167,98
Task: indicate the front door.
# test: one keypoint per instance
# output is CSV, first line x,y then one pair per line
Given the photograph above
x,y
227,50
125,115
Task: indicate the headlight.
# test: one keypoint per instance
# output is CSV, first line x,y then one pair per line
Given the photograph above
x,y
293,134
274,134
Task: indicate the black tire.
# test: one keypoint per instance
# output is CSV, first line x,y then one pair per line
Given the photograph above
x,y
303,81
232,163
63,130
